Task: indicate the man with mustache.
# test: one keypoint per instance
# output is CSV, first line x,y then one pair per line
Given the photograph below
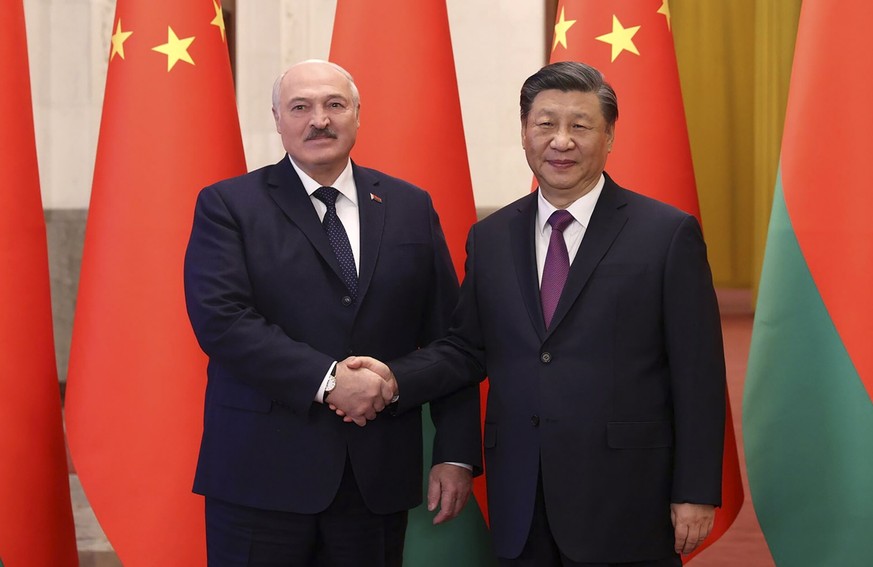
x,y
291,269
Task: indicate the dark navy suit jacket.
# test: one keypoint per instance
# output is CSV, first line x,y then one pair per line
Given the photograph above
x,y
268,306
620,403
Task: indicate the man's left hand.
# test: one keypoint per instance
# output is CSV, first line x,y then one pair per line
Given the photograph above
x,y
691,524
449,487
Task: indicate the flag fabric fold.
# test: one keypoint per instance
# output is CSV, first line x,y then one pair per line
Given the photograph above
x,y
411,128
137,377
631,43
807,411
36,518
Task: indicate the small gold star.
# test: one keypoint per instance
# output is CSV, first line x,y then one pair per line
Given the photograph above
x,y
118,39
175,49
561,27
218,21
665,9
621,38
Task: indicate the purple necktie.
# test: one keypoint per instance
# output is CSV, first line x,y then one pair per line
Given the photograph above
x,y
339,240
557,265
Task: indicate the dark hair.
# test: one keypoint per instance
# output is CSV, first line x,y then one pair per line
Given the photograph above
x,y
570,76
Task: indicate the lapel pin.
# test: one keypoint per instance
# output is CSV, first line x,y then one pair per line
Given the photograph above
x,y
374,197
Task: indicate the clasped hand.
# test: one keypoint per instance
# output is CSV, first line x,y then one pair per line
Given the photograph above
x,y
364,387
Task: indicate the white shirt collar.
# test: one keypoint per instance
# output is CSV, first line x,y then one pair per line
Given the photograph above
x,y
581,209
345,183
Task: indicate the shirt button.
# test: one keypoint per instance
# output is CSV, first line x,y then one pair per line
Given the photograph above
x,y
346,301
535,420
546,357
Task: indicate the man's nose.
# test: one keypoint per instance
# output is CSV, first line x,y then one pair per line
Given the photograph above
x,y
562,140
319,118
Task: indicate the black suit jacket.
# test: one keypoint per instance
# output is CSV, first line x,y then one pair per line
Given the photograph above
x,y
620,403
267,303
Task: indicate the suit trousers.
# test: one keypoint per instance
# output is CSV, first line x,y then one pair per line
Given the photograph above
x,y
346,534
541,550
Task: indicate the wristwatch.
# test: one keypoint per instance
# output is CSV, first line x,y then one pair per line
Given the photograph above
x,y
331,384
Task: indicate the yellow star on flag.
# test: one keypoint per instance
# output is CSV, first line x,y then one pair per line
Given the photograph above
x,y
218,21
561,27
175,49
118,39
621,38
665,9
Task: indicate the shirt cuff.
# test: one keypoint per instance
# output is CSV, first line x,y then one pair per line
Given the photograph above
x,y
319,395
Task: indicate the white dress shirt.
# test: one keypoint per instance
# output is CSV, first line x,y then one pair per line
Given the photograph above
x,y
581,209
346,205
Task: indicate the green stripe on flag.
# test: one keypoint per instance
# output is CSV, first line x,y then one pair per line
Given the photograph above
x,y
462,542
807,419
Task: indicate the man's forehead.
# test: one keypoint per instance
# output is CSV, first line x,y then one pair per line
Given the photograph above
x,y
580,102
315,83
309,93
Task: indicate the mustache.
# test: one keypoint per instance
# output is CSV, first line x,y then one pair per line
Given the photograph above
x,y
316,133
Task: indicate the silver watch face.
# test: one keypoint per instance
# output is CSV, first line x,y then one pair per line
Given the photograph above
x,y
331,384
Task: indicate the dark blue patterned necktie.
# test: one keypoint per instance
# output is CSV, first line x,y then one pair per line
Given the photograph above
x,y
557,265
339,240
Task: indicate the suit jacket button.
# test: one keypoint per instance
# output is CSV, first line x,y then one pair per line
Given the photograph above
x,y
346,301
546,357
535,420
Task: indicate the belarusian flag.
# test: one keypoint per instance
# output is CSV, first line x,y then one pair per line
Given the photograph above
x,y
631,43
400,54
36,518
137,376
807,412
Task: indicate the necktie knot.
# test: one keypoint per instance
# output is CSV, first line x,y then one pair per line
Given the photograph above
x,y
560,219
326,195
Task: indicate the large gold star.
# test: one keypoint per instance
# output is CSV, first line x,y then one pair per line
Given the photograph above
x,y
665,9
118,39
175,49
561,27
621,38
219,19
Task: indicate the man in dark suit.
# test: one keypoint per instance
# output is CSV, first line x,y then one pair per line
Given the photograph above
x,y
599,331
289,270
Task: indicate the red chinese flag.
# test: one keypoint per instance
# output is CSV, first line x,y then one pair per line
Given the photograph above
x,y
137,376
631,43
36,519
400,54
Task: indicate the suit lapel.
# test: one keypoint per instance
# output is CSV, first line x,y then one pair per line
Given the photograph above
x,y
521,230
372,217
606,223
286,189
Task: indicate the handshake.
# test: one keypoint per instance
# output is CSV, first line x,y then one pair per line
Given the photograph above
x,y
364,387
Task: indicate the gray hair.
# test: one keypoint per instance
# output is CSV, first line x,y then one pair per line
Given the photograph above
x,y
570,76
356,97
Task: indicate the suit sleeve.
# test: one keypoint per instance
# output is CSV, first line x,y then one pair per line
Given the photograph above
x,y
697,370
453,362
456,414
237,338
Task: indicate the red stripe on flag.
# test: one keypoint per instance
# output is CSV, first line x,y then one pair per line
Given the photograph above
x,y
825,167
